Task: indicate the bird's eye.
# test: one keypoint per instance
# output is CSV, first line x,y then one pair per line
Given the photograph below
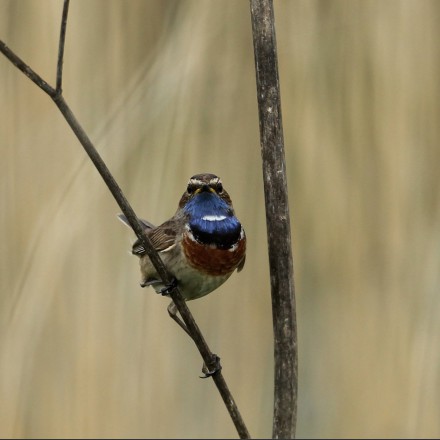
x,y
219,187
190,189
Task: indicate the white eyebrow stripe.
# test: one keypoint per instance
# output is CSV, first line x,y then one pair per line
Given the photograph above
x,y
214,218
195,182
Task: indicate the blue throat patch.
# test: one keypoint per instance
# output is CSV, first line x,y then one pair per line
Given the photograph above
x,y
211,221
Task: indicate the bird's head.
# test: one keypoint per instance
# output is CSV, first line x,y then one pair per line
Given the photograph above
x,y
206,189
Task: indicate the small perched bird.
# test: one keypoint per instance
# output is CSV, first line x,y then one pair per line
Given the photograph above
x,y
201,245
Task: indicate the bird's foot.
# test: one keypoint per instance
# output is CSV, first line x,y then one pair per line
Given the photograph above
x,y
214,367
169,287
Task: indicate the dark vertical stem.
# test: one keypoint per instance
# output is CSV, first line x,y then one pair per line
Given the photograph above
x,y
61,46
277,219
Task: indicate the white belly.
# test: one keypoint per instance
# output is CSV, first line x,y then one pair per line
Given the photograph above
x,y
192,283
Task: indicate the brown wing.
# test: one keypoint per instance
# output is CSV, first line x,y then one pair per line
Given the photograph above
x,y
164,235
161,238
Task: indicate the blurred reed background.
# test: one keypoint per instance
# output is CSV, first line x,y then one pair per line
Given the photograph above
x,y
166,89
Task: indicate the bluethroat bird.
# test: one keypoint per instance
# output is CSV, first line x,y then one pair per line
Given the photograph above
x,y
201,245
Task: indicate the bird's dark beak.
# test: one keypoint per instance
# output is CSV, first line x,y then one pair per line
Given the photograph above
x,y
204,188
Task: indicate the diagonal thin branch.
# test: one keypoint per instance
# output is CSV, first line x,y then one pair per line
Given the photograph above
x,y
59,88
210,359
21,65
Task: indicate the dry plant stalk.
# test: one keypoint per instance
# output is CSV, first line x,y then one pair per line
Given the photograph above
x,y
277,219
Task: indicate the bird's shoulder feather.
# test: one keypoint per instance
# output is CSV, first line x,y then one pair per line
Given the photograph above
x,y
163,237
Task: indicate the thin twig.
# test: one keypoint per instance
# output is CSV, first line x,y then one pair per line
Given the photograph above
x,y
210,360
277,219
61,47
21,65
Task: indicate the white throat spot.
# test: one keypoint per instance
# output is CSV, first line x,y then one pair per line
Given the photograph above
x,y
214,218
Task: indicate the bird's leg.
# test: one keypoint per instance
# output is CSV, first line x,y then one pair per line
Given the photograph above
x,y
215,365
172,311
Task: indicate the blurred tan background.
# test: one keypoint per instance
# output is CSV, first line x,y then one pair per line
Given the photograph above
x,y
166,89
